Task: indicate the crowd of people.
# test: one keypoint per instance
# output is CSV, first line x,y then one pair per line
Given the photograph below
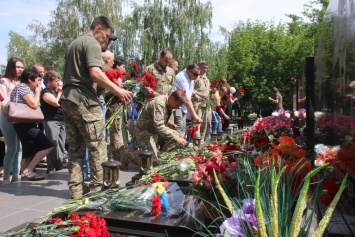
x,y
75,110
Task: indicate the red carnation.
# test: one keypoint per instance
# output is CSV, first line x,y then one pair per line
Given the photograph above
x,y
151,94
157,177
74,217
156,206
56,220
135,66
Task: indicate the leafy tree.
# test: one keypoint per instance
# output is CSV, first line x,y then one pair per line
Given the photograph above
x,y
263,54
70,19
28,50
178,25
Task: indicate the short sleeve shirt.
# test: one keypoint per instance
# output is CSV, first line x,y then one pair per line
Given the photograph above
x,y
19,91
82,53
184,82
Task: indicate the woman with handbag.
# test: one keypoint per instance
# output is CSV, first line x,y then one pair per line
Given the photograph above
x,y
13,155
53,119
35,145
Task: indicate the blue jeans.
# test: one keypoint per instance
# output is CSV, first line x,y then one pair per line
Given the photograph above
x,y
180,121
216,122
13,156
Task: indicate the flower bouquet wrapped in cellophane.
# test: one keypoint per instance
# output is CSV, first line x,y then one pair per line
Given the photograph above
x,y
75,226
124,199
142,198
178,168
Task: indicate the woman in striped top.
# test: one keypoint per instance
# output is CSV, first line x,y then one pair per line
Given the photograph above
x,y
35,145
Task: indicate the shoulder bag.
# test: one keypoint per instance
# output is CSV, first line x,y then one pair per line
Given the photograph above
x,y
22,113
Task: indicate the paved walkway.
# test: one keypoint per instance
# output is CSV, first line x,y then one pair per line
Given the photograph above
x,y
27,201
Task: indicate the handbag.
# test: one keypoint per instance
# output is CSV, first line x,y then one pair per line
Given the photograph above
x,y
22,113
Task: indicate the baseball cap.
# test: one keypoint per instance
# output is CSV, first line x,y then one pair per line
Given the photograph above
x,y
113,37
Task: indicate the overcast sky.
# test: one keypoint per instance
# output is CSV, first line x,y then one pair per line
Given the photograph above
x,y
15,15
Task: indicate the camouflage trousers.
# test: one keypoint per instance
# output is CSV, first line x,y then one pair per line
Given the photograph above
x,y
116,137
148,141
84,125
205,114
130,155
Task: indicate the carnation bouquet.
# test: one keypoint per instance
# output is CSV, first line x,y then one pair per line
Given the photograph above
x,y
178,168
76,226
141,88
222,162
267,129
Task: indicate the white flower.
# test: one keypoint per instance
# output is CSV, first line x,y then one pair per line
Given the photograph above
x,y
296,114
275,114
318,163
318,115
321,149
336,149
287,115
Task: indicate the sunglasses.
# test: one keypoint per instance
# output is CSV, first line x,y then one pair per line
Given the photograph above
x,y
107,37
194,73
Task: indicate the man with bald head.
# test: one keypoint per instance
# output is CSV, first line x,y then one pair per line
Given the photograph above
x,y
108,58
174,65
40,69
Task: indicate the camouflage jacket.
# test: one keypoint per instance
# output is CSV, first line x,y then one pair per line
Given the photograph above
x,y
202,85
165,79
155,119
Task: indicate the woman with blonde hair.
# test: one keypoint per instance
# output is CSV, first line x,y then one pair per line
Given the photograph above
x,y
12,158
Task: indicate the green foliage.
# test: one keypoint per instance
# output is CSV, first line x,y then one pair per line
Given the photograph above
x,y
178,25
254,55
263,54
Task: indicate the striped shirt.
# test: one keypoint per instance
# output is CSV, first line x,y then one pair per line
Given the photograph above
x,y
19,91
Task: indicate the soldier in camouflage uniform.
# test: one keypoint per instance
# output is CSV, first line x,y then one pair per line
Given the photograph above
x,y
116,131
82,112
202,90
164,75
155,121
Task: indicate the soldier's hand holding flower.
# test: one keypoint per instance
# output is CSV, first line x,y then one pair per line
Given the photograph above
x,y
124,95
181,141
197,119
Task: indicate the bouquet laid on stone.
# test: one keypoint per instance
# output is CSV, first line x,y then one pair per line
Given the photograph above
x,y
76,226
